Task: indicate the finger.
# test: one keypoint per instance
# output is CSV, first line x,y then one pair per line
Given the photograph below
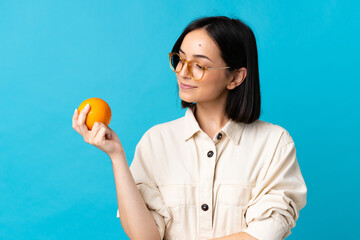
x,y
75,115
74,118
101,126
100,136
95,129
83,113
82,118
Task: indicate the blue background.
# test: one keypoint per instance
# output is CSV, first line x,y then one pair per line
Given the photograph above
x,y
55,54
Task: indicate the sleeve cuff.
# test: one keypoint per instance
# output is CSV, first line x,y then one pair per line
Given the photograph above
x,y
159,223
272,228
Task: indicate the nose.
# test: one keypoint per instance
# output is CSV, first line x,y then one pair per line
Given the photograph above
x,y
185,71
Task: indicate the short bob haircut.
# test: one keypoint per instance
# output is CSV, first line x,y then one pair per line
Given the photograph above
x,y
237,45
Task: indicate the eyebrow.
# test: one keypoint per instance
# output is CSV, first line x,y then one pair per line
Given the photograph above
x,y
196,55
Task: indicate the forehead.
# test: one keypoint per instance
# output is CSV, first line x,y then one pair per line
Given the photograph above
x,y
199,42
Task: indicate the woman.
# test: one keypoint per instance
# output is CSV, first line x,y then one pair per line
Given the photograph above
x,y
218,172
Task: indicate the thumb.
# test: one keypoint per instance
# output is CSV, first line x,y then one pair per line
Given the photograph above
x,y
103,135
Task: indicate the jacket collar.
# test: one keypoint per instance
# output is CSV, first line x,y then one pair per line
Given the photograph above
x,y
232,129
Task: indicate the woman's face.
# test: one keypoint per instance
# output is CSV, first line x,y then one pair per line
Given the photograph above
x,y
197,45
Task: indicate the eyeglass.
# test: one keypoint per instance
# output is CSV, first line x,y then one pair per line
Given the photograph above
x,y
196,69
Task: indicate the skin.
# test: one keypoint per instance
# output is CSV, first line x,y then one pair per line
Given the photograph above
x,y
210,93
237,236
135,217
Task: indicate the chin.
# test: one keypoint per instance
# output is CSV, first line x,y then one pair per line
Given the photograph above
x,y
187,98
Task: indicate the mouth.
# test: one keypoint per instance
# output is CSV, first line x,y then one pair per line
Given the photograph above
x,y
184,86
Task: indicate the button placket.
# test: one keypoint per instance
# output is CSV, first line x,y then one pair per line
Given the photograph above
x,y
206,191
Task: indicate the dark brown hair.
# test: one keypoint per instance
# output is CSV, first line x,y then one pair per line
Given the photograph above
x,y
237,45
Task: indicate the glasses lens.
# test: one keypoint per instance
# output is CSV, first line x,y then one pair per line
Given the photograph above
x,y
175,63
197,70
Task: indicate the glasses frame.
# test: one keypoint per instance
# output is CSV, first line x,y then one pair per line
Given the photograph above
x,y
188,63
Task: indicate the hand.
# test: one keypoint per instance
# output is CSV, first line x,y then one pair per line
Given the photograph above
x,y
237,236
101,136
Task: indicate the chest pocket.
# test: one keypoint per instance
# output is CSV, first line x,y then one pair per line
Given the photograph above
x,y
234,194
181,202
233,200
178,195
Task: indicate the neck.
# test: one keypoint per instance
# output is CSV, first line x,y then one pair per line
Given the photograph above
x,y
211,116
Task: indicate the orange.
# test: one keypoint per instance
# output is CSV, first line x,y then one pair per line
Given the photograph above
x,y
99,112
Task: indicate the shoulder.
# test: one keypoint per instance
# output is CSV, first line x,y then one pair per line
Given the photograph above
x,y
265,130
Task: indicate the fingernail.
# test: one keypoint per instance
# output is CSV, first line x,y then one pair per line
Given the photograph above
x,y
87,105
75,110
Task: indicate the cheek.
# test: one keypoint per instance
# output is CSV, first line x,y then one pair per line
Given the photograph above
x,y
210,87
214,85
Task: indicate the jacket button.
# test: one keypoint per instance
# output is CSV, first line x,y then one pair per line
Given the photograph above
x,y
204,207
219,136
210,154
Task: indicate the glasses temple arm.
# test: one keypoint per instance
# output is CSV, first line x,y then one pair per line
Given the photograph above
x,y
217,67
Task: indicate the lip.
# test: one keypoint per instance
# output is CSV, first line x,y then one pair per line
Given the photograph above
x,y
184,86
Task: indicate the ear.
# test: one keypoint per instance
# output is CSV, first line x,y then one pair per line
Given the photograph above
x,y
239,76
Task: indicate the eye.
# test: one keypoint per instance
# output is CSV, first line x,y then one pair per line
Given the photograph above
x,y
199,66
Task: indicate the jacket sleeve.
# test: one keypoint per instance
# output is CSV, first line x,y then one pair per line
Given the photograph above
x,y
141,169
279,196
